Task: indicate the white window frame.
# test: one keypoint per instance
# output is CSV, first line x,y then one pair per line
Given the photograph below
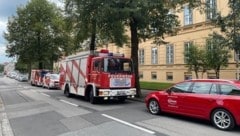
x,y
170,54
211,9
154,55
188,15
141,56
187,45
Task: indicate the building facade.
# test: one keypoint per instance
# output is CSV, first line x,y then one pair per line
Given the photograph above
x,y
166,63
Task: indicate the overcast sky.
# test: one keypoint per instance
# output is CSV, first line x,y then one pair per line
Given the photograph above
x,y
7,9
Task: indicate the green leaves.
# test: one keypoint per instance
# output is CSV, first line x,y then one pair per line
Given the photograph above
x,y
34,34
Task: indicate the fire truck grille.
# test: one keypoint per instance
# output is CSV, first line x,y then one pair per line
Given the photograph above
x,y
120,82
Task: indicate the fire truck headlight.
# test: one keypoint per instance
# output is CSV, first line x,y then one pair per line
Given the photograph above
x,y
103,93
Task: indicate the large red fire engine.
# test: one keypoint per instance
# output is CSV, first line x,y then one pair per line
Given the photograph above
x,y
100,75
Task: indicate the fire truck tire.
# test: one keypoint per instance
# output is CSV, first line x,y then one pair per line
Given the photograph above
x,y
92,99
67,92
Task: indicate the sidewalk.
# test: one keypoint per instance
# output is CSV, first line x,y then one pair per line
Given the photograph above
x,y
144,94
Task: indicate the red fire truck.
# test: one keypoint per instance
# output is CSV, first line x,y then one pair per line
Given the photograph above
x,y
100,75
37,76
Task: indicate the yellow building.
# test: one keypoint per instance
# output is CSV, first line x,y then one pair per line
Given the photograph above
x,y
165,63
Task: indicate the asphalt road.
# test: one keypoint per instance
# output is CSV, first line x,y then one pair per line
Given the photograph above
x,y
33,111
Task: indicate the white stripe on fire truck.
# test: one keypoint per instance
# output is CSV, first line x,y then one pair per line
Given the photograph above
x,y
71,76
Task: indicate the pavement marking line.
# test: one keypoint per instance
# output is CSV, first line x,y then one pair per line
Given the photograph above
x,y
45,94
128,124
69,103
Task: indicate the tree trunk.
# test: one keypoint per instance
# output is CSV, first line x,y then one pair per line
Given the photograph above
x,y
217,73
93,38
134,53
196,73
40,60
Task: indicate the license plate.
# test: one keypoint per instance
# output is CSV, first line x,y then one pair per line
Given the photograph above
x,y
121,93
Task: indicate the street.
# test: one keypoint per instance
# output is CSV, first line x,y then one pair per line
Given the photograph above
x,y
27,110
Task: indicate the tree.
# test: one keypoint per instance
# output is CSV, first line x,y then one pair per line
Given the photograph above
x,y
93,21
217,53
195,59
230,26
36,34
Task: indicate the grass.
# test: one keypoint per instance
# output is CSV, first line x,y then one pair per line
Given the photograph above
x,y
154,85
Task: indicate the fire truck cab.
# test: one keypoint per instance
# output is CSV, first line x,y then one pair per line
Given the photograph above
x,y
100,75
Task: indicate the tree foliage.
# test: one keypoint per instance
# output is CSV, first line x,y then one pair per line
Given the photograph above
x,y
195,59
217,53
230,24
36,34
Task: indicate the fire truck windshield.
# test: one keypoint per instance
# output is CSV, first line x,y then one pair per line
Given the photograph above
x,y
116,65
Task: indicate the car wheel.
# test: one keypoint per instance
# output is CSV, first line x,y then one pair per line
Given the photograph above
x,y
153,107
222,119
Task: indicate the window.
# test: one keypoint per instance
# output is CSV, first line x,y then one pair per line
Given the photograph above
x,y
141,56
187,15
154,55
181,87
187,46
187,75
236,56
228,89
214,89
169,76
98,65
201,87
154,75
169,54
211,9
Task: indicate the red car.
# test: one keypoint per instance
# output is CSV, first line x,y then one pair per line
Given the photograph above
x,y
215,100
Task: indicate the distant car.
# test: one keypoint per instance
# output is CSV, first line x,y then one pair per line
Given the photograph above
x,y
22,77
51,81
216,100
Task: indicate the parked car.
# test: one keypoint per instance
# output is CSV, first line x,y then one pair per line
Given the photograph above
x,y
22,77
51,81
216,100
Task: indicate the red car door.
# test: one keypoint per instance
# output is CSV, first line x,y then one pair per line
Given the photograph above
x,y
173,99
199,102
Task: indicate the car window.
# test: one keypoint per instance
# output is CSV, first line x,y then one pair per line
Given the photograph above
x,y
181,87
229,89
214,89
201,87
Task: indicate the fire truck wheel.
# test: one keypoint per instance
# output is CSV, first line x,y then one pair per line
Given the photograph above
x,y
91,97
67,92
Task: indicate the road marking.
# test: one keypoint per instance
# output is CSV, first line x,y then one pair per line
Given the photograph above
x,y
69,103
128,124
45,94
